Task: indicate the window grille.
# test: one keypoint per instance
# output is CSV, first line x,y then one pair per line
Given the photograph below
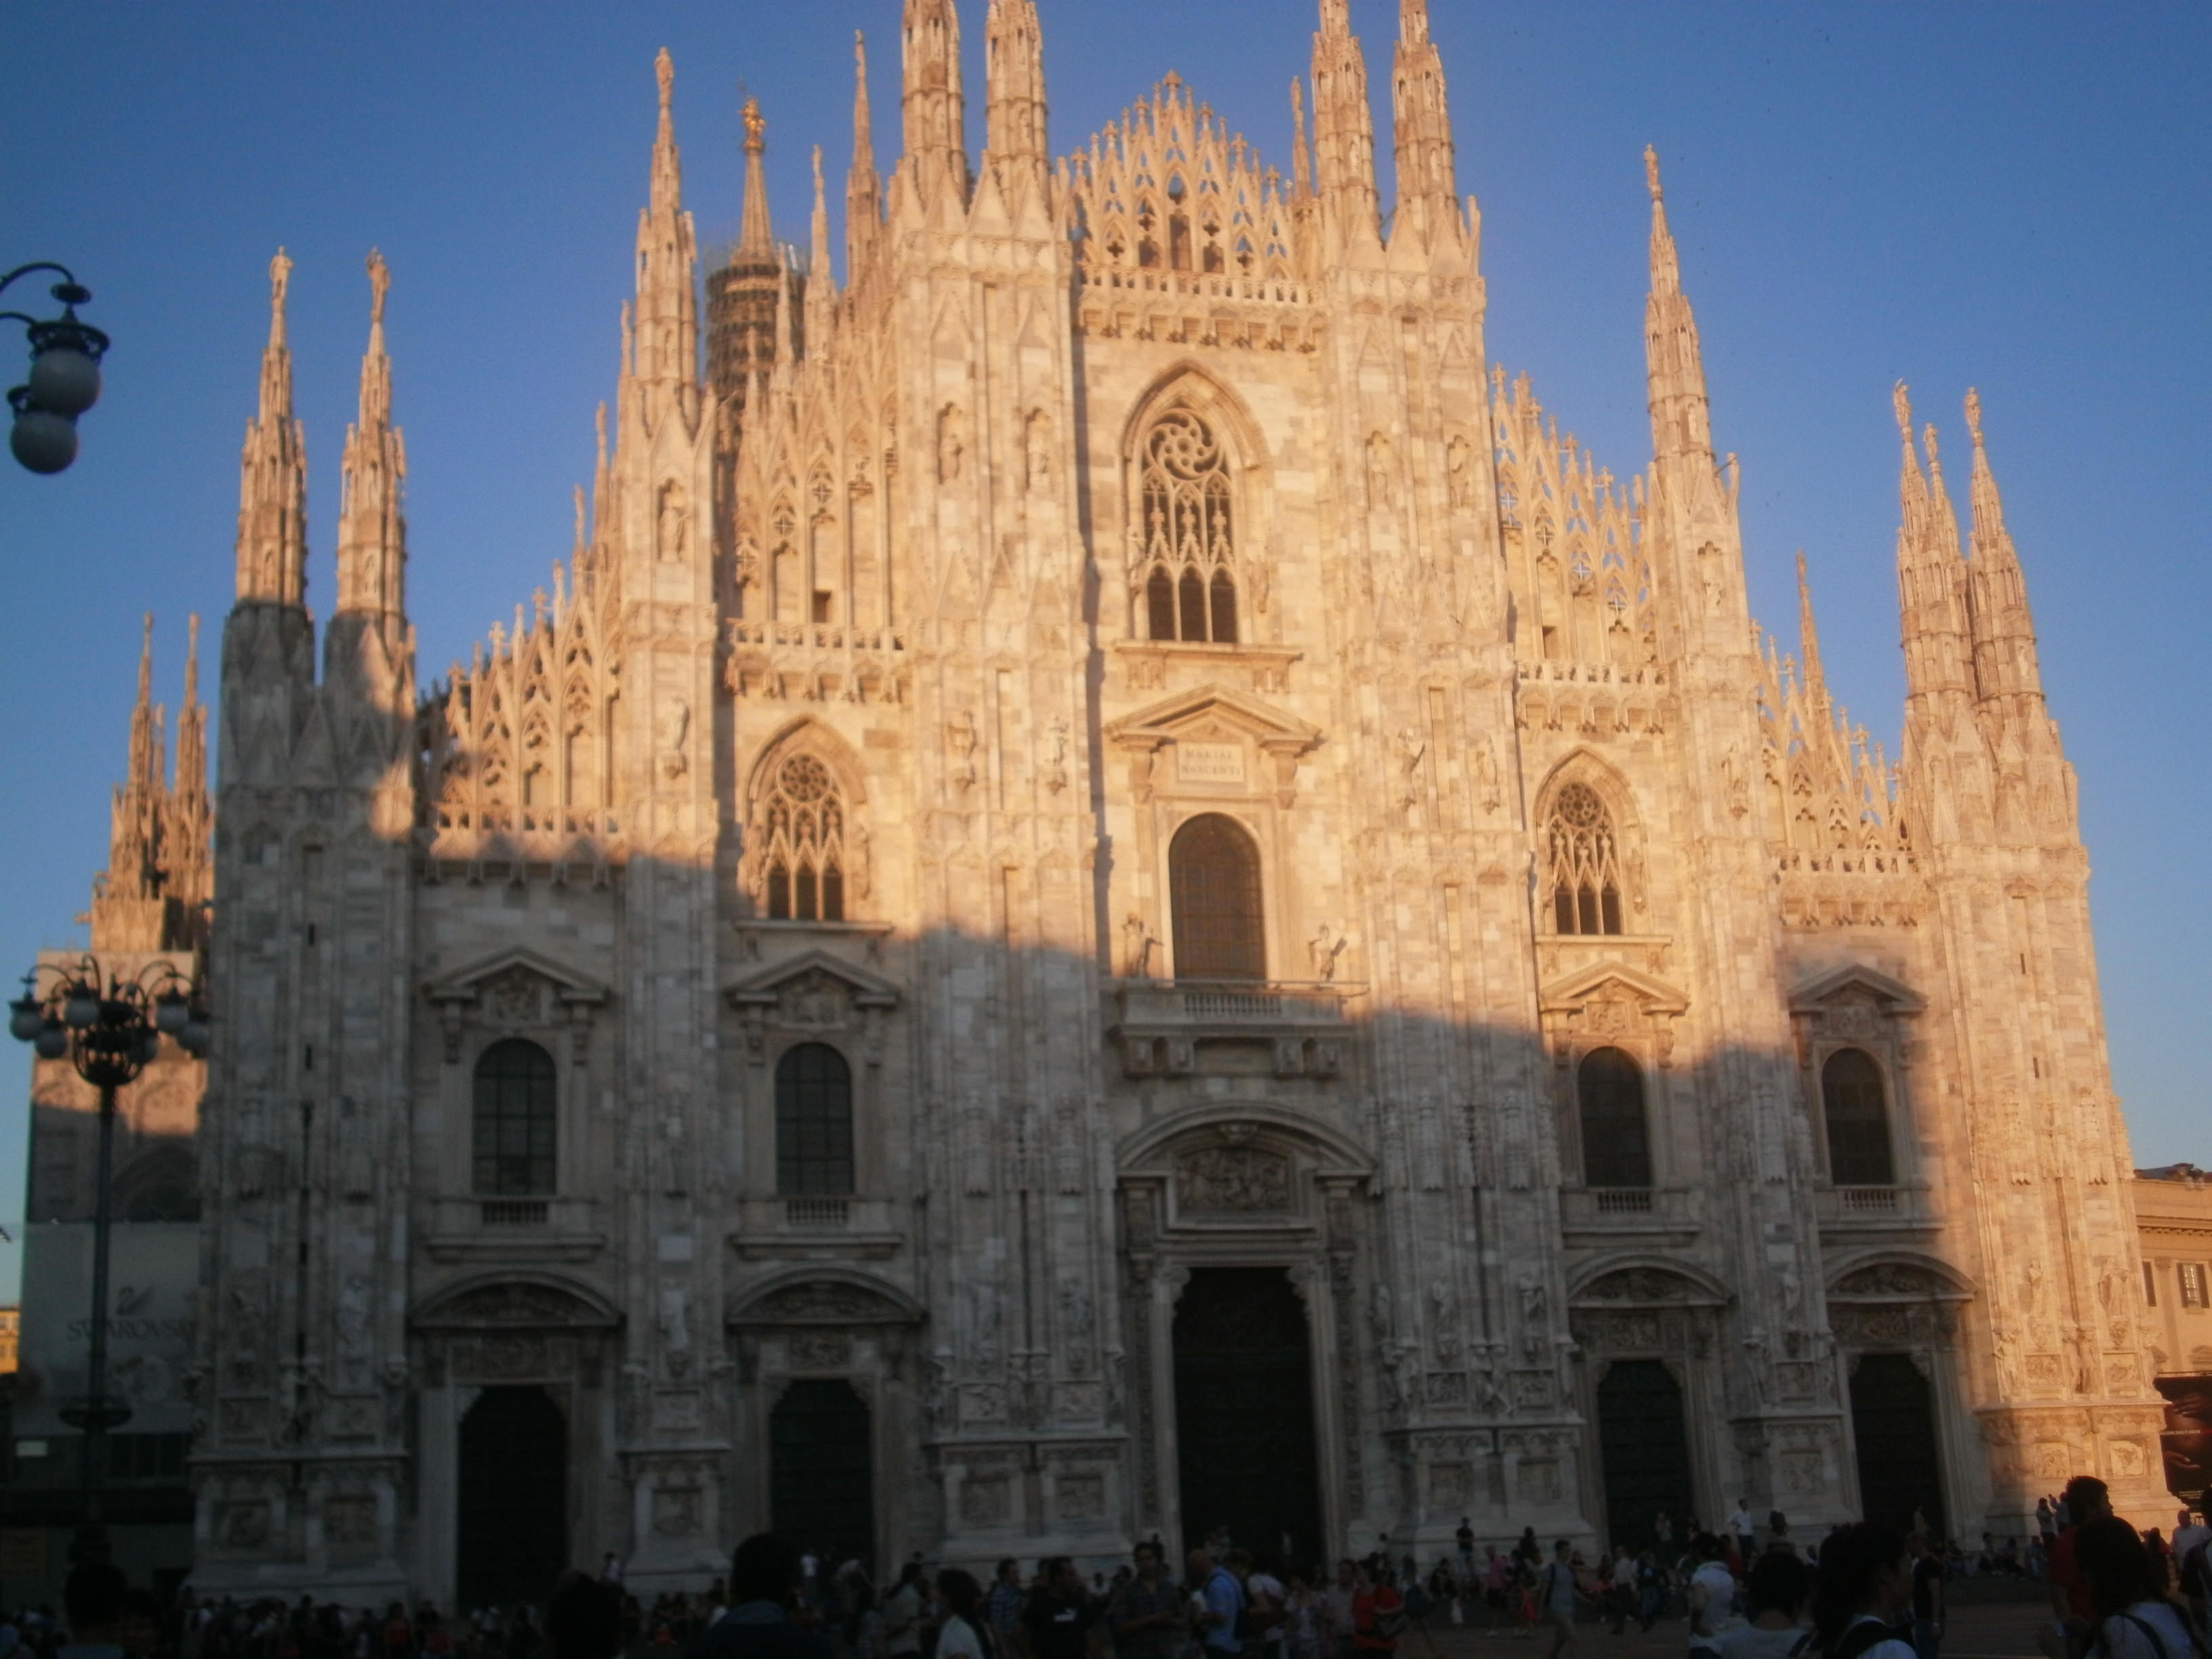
x,y
813,1123
1214,885
1616,1140
1190,532
1584,874
515,1119
1851,1099
802,842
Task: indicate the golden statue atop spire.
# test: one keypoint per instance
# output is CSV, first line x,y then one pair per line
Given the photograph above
x,y
755,126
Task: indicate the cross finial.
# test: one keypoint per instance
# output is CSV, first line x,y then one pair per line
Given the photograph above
x,y
1651,171
663,70
379,284
1974,416
1901,400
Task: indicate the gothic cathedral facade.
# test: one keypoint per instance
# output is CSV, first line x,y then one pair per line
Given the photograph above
x,y
1115,894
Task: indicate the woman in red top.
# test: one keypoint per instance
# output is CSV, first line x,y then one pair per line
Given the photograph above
x,y
1377,1614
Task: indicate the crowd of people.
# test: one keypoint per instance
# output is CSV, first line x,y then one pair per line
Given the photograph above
x,y
1746,1591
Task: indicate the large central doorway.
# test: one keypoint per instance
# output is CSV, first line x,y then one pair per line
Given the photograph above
x,y
822,1480
1894,1421
1244,1417
1645,1450
514,1520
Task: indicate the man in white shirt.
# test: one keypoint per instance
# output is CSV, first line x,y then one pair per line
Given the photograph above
x,y
1742,1526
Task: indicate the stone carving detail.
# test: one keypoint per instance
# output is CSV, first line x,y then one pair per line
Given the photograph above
x,y
349,1523
826,1303
1232,1181
1893,1278
1638,1285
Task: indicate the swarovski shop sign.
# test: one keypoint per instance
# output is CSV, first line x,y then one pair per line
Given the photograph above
x,y
152,1296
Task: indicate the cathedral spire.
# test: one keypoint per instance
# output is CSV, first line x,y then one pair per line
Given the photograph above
x,y
1428,202
665,324
1681,417
2005,661
187,872
1808,638
1300,157
821,288
932,108
147,760
372,530
1013,73
1930,575
754,235
1344,133
125,908
863,189
272,505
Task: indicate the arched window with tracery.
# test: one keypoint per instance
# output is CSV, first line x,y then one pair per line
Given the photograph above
x,y
1853,1102
1214,885
1583,873
1616,1140
801,851
515,1115
813,1123
1189,531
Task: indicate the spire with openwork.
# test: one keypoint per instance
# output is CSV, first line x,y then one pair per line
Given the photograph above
x,y
933,109
372,530
2006,665
272,505
1681,414
1931,577
864,188
126,907
665,321
1344,133
756,238
1014,114
1428,204
188,834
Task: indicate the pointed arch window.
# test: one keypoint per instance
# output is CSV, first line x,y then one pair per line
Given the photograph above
x,y
1582,873
1854,1103
1616,1140
801,825
813,1123
514,1121
1213,883
1189,523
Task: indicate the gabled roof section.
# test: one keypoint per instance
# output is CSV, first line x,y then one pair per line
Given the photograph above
x,y
765,986
1273,728
1573,990
1894,995
464,983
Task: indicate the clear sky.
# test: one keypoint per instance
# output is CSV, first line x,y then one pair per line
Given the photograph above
x,y
2013,198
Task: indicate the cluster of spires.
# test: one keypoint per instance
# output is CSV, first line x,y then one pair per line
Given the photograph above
x,y
1967,630
154,894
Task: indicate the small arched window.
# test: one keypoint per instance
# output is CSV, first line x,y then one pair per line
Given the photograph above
x,y
813,1123
515,1119
1213,883
1189,532
1616,1140
1583,863
801,828
1852,1100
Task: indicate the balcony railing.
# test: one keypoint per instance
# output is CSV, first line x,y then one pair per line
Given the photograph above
x,y
547,1228
1623,1200
818,1214
1868,1201
516,1211
1604,1210
1157,1004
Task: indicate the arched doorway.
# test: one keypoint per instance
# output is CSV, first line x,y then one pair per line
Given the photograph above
x,y
1244,1419
1644,1448
821,1484
1893,1421
513,1532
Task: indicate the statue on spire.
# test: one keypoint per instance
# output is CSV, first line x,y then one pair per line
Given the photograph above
x,y
1900,399
1651,171
1974,416
280,279
663,70
379,284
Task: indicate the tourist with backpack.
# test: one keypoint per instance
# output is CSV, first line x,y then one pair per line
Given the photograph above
x,y
1864,1587
2133,1617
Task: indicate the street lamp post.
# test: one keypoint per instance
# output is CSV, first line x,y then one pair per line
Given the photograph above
x,y
109,1025
64,379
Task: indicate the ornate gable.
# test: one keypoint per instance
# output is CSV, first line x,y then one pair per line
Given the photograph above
x,y
1854,983
1213,738
813,991
1609,1000
515,990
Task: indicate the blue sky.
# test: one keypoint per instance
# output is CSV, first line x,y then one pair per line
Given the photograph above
x,y
2012,198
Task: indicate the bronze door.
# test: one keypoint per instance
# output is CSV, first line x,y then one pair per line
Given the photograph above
x,y
1643,1449
1894,1421
1244,1417
513,1534
822,1483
